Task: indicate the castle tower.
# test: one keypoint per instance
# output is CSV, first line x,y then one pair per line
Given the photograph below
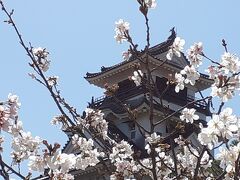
x,y
135,97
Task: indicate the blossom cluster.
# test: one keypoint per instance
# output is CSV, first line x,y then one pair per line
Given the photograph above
x,y
52,81
189,75
195,53
221,131
41,58
23,143
25,146
225,125
87,155
163,160
121,30
122,158
126,55
228,158
225,76
8,114
95,121
60,164
176,48
189,156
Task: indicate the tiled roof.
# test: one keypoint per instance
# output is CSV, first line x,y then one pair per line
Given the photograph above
x,y
153,51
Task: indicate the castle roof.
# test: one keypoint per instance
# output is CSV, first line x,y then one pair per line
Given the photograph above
x,y
153,51
157,55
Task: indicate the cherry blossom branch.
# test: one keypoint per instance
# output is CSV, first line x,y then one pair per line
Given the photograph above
x,y
199,162
11,21
151,106
174,158
224,45
189,148
148,31
180,109
5,174
40,72
237,168
212,61
220,107
154,164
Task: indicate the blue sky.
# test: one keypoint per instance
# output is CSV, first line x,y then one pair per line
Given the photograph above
x,y
79,36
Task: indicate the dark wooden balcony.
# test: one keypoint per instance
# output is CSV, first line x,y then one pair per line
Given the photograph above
x,y
169,96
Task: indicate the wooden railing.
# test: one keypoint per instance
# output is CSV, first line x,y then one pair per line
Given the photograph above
x,y
173,98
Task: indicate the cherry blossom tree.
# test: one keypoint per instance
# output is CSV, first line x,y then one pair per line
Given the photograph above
x,y
177,159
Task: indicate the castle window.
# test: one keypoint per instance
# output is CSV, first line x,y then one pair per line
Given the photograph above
x,y
126,85
133,134
170,94
132,130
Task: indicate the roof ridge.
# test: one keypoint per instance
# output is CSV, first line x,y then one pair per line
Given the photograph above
x,y
157,49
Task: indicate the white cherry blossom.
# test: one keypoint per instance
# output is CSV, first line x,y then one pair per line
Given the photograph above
x,y
121,30
82,144
40,52
224,125
4,118
63,176
16,128
137,77
179,79
179,140
95,119
37,163
176,48
14,100
121,150
213,71
215,124
230,63
191,73
226,158
25,146
151,3
208,137
14,105
87,155
52,81
194,54
230,123
61,161
85,159
224,93
41,58
126,55
189,115
153,138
